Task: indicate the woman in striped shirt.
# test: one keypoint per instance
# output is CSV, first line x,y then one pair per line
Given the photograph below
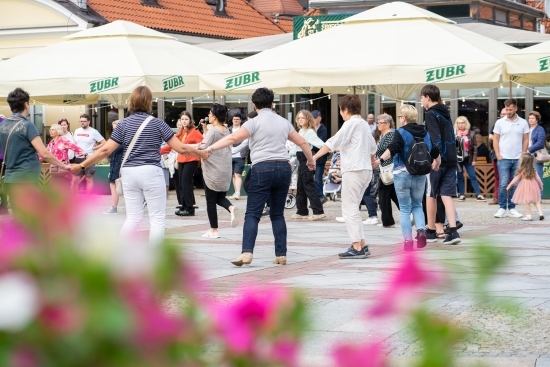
x,y
142,176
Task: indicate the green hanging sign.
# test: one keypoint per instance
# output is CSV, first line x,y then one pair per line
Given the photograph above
x,y
306,26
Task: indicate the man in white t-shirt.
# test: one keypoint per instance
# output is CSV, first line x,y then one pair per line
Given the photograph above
x,y
511,138
372,125
89,139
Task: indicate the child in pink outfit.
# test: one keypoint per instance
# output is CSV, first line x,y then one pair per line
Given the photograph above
x,y
529,187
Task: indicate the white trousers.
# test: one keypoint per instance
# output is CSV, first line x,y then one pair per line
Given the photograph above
x,y
354,184
139,183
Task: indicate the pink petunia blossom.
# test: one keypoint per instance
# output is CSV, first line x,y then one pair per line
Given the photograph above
x,y
240,322
368,355
403,287
154,325
13,241
285,351
61,318
23,357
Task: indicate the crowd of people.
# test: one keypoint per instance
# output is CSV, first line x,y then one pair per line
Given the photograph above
x,y
419,166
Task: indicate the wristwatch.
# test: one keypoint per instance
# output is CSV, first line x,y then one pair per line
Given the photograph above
x,y
381,160
82,168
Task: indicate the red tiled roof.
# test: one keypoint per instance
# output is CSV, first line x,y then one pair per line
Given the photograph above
x,y
311,12
537,4
190,17
271,7
286,23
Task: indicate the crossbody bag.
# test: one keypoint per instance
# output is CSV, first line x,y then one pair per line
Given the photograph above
x,y
118,181
3,167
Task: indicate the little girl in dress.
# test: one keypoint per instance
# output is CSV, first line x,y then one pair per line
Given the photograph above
x,y
529,188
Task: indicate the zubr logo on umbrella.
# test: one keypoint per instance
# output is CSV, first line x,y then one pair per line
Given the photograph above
x,y
102,85
544,63
442,73
173,82
242,80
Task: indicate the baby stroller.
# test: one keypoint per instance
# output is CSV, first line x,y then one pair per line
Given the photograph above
x,y
331,188
290,197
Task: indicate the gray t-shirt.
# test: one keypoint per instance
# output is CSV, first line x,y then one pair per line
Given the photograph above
x,y
21,160
216,171
268,135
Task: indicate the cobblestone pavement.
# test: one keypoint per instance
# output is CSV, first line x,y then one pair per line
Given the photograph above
x,y
338,290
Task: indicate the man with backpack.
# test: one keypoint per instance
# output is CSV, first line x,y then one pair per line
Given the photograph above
x,y
414,156
443,181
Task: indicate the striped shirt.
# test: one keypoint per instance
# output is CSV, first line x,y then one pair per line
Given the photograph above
x,y
146,151
384,143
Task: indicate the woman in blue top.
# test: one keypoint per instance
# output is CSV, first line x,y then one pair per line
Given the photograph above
x,y
409,188
536,139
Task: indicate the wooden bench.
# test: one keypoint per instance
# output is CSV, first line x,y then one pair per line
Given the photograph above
x,y
485,178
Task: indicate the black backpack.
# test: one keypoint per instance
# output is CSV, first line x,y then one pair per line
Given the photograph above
x,y
418,160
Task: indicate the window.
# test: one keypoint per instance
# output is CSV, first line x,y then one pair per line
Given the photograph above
x,y
451,11
486,12
151,3
474,104
528,24
218,6
515,20
501,16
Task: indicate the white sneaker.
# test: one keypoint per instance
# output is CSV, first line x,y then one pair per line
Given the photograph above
x,y
501,213
235,217
340,219
111,210
371,220
514,213
209,234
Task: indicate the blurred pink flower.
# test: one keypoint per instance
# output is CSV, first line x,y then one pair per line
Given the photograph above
x,y
368,355
62,318
403,287
285,351
23,357
13,241
254,312
154,325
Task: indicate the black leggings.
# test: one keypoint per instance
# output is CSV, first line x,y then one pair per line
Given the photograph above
x,y
185,177
213,198
306,188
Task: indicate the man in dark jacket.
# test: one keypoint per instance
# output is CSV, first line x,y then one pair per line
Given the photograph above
x,y
442,182
320,164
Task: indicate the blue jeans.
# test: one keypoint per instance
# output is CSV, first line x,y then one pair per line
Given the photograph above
x,y
319,170
471,174
539,167
369,201
507,169
267,180
409,190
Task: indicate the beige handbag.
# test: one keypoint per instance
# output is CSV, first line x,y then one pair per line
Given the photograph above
x,y
386,174
542,156
118,181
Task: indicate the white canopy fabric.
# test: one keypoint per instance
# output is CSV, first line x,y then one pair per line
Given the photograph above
x,y
530,65
111,60
396,47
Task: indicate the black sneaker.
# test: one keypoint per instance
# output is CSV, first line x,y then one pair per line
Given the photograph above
x,y
459,225
324,200
352,253
420,238
431,236
408,246
452,239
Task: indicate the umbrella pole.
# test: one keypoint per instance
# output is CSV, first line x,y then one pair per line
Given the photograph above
x,y
213,96
510,89
354,90
120,107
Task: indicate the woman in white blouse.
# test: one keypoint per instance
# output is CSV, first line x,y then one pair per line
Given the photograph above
x,y
306,178
357,149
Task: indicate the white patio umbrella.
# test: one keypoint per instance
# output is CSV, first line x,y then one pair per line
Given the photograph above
x,y
396,47
530,65
111,60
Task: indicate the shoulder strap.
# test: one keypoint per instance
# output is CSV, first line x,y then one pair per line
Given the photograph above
x,y
7,141
135,138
